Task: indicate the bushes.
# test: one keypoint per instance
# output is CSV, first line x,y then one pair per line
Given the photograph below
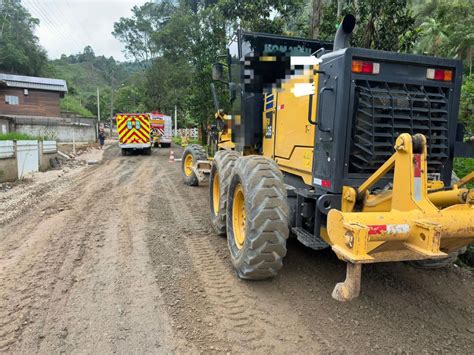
x,y
16,136
71,104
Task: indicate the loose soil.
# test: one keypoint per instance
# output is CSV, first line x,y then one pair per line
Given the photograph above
x,y
120,257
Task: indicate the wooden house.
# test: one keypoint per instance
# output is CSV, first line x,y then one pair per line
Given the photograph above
x,y
30,96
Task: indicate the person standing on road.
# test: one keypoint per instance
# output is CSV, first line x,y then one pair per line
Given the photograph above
x,y
101,137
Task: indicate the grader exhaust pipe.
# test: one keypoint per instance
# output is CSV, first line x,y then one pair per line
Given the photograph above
x,y
344,32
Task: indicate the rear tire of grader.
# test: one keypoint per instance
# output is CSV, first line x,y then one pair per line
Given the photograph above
x,y
437,263
257,218
219,181
192,153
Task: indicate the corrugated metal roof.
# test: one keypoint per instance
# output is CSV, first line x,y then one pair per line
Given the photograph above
x,y
32,82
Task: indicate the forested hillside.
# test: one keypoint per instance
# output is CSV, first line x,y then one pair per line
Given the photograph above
x,y
20,53
85,72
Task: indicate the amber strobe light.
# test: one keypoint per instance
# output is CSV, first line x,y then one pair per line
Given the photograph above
x,y
359,66
439,74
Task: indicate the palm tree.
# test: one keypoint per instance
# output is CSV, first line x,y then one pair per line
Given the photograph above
x,y
433,38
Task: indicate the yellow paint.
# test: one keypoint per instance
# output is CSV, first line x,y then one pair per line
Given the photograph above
x,y
184,141
238,216
188,165
215,193
402,223
268,58
292,136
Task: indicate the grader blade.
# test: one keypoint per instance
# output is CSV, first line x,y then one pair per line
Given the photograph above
x,y
408,223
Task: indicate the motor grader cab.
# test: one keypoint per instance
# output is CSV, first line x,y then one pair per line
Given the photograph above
x,y
350,149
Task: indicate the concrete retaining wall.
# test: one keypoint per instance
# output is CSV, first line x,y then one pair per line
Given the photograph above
x,y
8,169
46,155
59,129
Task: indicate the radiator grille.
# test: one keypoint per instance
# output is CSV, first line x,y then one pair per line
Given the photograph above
x,y
385,110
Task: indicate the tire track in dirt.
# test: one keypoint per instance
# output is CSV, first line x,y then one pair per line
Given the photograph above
x,y
78,277
38,278
244,322
401,309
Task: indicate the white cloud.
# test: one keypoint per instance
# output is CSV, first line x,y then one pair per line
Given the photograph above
x,y
67,26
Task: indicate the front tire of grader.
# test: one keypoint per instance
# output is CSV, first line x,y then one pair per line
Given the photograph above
x,y
192,153
219,181
257,218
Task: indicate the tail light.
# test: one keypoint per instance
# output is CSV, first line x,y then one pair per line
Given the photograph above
x,y
363,67
439,74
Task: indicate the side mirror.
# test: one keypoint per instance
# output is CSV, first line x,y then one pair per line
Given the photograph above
x,y
218,72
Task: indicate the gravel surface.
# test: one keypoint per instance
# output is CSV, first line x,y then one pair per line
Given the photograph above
x,y
121,257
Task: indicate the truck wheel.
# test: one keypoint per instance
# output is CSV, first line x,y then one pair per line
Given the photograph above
x,y
437,263
219,181
124,152
192,153
257,218
148,151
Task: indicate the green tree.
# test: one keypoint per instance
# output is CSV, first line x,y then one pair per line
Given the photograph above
x,y
466,113
447,29
19,49
383,24
179,42
128,98
136,32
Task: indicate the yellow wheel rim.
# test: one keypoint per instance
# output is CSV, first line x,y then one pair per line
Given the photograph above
x,y
239,216
188,165
215,193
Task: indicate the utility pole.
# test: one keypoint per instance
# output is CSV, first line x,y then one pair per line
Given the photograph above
x,y
175,120
111,104
98,104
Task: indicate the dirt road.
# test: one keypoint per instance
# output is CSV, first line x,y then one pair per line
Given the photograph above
x,y
121,258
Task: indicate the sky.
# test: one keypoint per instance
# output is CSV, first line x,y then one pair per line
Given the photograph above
x,y
67,26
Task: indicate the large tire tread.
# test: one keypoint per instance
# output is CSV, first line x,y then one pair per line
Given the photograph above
x,y
267,209
224,161
437,263
198,153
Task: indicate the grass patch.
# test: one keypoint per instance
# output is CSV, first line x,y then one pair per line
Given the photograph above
x,y
177,140
467,259
71,104
462,167
16,136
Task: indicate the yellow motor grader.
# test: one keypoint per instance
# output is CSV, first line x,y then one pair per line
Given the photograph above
x,y
343,148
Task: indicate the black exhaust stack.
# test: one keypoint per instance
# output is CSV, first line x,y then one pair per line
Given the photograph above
x,y
344,32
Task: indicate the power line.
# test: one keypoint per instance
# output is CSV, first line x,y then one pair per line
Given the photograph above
x,y
80,23
46,21
58,17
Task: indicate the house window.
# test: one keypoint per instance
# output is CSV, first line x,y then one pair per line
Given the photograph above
x,y
11,100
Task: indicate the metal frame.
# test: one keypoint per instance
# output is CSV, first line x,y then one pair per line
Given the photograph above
x,y
337,66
